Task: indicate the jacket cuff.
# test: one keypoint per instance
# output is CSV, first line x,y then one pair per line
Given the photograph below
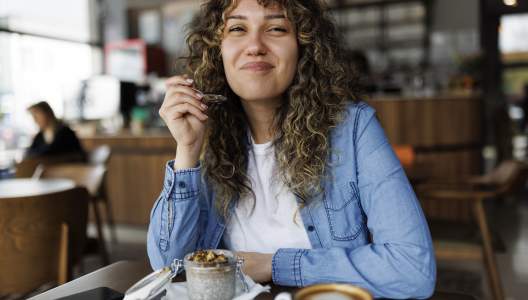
x,y
182,184
286,267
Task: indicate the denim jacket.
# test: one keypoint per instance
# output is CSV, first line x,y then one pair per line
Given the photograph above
x,y
367,227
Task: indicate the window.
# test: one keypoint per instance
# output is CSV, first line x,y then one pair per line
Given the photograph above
x,y
514,51
47,49
512,38
65,19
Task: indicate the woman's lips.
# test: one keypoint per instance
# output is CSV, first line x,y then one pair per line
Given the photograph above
x,y
257,66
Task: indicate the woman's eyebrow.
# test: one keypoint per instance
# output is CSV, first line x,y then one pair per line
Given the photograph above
x,y
276,16
267,17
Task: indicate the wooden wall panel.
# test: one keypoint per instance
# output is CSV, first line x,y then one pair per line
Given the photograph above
x,y
451,165
431,122
135,173
446,134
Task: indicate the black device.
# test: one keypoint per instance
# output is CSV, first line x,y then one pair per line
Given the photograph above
x,y
100,293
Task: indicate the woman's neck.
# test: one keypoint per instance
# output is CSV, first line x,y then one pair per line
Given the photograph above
x,y
49,133
260,115
52,125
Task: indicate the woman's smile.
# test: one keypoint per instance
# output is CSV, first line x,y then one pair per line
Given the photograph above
x,y
257,66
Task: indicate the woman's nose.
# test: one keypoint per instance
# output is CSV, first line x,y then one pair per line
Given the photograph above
x,y
256,46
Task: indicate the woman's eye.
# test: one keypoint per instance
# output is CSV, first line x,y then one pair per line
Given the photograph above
x,y
280,29
232,29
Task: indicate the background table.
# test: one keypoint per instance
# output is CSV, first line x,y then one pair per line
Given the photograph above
x,y
24,187
123,274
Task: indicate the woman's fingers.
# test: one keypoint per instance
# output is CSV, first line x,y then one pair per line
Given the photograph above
x,y
189,90
176,98
182,99
179,80
179,85
177,111
178,93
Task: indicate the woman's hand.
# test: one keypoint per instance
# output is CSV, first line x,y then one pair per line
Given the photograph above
x,y
257,265
184,114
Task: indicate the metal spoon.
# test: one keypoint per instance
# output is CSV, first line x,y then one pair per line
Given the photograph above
x,y
213,98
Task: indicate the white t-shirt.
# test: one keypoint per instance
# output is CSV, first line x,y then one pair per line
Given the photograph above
x,y
271,225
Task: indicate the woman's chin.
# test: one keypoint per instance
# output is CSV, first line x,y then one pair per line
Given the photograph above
x,y
261,98
258,94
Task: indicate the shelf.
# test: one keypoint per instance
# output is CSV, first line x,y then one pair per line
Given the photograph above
x,y
362,26
388,26
365,4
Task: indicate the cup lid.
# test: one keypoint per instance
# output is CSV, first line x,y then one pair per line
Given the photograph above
x,y
333,291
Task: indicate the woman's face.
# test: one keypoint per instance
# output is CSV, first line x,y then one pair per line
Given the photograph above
x,y
259,51
40,118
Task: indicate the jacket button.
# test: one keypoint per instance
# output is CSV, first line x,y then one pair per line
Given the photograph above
x,y
311,228
181,185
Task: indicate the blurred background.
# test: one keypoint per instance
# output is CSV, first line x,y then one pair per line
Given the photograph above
x,y
448,78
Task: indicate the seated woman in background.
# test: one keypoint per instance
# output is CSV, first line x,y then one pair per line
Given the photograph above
x,y
297,175
54,137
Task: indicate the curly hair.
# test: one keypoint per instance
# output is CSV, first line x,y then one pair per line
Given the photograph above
x,y
312,105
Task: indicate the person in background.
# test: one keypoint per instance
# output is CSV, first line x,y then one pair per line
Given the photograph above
x,y
293,172
54,137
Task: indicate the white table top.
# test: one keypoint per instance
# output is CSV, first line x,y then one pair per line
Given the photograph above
x,y
24,187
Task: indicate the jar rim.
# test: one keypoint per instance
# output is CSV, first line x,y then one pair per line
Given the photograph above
x,y
231,260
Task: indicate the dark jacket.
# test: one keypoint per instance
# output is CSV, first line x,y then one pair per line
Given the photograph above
x,y
65,142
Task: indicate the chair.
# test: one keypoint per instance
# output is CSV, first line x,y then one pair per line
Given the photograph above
x,y
101,156
28,166
91,178
505,179
42,238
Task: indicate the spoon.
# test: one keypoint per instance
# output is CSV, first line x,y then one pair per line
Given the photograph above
x,y
213,98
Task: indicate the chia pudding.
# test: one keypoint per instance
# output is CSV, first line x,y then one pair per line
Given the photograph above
x,y
210,274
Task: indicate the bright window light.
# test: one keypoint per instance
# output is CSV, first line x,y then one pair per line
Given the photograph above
x,y
57,18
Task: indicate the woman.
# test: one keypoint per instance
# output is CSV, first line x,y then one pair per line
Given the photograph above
x,y
295,177
54,138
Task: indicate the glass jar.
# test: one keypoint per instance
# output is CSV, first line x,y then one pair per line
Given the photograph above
x,y
212,280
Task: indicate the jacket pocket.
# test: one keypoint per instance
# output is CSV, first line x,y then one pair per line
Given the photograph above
x,y
344,212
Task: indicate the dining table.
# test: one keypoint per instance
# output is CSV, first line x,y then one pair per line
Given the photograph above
x,y
27,187
121,275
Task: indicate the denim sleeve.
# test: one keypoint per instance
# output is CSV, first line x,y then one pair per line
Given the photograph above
x,y
178,217
399,262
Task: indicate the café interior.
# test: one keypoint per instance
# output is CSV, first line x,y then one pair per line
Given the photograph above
x,y
448,80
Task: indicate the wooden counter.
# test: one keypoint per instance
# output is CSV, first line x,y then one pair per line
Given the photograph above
x,y
135,172
446,134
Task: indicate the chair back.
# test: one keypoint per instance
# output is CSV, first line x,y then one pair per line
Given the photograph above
x,y
519,180
26,168
508,176
100,155
89,176
32,233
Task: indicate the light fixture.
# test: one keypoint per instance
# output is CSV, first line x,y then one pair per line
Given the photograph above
x,y
510,2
